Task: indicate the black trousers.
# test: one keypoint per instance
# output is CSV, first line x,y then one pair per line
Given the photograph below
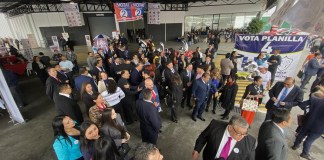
x,y
128,106
273,71
187,96
215,101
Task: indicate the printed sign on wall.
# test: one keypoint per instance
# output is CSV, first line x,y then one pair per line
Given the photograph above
x,y
153,14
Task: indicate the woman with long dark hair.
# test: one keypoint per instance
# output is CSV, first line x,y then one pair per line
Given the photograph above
x,y
86,96
176,95
113,125
105,149
66,144
89,133
113,95
228,95
254,91
95,112
40,69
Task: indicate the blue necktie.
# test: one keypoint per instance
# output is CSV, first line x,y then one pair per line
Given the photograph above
x,y
283,96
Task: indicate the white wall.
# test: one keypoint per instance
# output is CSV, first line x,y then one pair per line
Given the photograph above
x,y
173,17
5,30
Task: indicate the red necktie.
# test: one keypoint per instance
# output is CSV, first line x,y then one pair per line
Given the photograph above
x,y
226,148
153,94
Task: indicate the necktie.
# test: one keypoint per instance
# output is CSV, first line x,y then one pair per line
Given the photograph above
x,y
189,75
283,96
226,148
153,95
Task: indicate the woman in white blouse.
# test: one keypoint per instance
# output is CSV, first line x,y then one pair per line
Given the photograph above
x,y
113,95
102,83
266,76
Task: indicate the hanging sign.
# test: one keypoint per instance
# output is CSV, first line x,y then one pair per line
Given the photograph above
x,y
88,40
291,47
137,10
123,12
72,14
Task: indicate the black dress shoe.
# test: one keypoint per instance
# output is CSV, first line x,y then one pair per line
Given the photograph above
x,y
175,121
306,156
294,147
194,119
201,118
206,110
214,112
222,115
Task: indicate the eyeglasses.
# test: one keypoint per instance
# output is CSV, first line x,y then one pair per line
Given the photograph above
x,y
240,134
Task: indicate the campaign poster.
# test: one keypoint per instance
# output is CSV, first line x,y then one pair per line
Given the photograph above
x,y
123,12
55,41
291,47
137,10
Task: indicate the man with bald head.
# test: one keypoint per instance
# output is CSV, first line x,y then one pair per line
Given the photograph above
x,y
148,84
283,95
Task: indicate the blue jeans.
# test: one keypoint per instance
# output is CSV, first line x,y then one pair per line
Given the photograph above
x,y
199,108
311,137
305,80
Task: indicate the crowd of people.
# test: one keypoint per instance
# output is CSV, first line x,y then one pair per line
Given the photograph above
x,y
119,87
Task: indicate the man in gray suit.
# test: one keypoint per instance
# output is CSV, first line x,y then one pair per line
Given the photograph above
x,y
271,139
311,69
226,66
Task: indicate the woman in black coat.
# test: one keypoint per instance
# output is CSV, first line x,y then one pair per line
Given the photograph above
x,y
228,95
40,69
86,96
177,95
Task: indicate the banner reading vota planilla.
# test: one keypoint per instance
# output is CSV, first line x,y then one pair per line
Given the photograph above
x,y
123,12
291,47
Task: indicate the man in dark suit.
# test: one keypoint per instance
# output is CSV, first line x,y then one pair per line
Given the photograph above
x,y
200,91
208,61
84,77
136,75
52,83
150,121
98,68
61,75
283,95
104,58
168,72
187,76
271,140
148,84
223,140
65,105
313,126
130,96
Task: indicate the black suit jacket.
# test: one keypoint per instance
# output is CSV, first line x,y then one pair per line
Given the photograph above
x,y
135,77
294,97
150,121
212,64
69,107
212,137
52,87
185,78
62,77
271,143
168,76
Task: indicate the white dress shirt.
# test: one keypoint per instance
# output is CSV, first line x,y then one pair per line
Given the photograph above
x,y
281,92
66,95
224,141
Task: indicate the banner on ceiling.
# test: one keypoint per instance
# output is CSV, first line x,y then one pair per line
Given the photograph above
x,y
291,47
123,12
72,14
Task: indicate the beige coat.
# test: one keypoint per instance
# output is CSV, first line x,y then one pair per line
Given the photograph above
x,y
226,66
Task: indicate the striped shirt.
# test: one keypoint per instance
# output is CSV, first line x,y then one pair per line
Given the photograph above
x,y
113,99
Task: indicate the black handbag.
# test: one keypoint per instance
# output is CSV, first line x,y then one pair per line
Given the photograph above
x,y
124,149
300,73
